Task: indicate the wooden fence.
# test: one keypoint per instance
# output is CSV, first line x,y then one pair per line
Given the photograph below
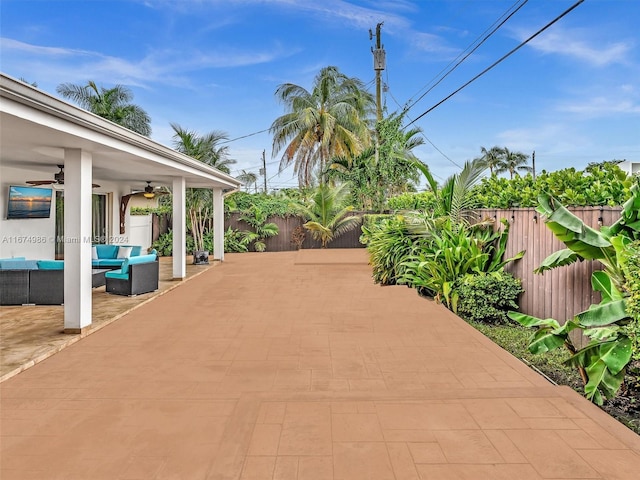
x,y
286,226
560,293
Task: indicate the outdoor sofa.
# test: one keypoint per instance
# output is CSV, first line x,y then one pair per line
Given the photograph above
x,y
38,282
137,275
112,256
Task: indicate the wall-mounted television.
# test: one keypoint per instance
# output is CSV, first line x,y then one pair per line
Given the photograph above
x,y
29,202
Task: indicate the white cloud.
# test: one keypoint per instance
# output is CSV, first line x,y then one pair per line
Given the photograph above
x,y
602,106
158,66
580,45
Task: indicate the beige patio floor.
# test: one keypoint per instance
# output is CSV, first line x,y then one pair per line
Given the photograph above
x,y
29,334
295,365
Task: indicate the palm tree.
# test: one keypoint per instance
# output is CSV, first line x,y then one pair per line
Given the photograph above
x,y
112,104
257,219
327,216
331,120
515,162
205,148
493,158
199,201
375,178
454,198
248,178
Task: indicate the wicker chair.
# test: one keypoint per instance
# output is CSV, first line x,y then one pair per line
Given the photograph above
x,y
140,278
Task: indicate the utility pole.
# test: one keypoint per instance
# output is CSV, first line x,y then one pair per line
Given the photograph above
x,y
263,171
533,164
379,64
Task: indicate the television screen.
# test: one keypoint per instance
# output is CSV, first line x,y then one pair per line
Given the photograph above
x,y
29,202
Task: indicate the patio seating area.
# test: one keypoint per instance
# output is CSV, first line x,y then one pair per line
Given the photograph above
x,y
294,365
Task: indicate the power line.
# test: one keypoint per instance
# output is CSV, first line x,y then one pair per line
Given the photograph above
x,y
245,136
504,57
478,45
427,138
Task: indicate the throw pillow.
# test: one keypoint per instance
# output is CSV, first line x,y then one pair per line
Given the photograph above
x,y
124,252
94,253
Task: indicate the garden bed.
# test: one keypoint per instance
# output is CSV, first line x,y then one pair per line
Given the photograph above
x,y
625,407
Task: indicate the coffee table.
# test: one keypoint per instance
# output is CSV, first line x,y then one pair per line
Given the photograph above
x,y
97,277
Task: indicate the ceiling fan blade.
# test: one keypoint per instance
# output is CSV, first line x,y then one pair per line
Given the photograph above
x,y
40,182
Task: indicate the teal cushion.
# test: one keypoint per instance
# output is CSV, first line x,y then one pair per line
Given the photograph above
x,y
109,262
135,250
136,260
107,251
12,258
15,264
117,274
51,264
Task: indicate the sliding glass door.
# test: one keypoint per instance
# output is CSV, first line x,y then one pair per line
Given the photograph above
x,y
99,223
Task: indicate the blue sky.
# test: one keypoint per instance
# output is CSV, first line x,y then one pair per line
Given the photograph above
x,y
572,95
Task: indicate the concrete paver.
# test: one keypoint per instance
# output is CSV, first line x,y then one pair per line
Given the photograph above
x,y
294,365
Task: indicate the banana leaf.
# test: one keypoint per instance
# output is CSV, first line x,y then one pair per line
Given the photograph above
x,y
558,259
545,340
585,241
529,321
603,314
601,282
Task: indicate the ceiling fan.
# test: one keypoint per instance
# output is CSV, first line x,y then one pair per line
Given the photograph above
x,y
150,191
58,179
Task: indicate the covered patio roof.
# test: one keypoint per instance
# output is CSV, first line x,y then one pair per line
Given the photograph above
x,y
40,132
37,127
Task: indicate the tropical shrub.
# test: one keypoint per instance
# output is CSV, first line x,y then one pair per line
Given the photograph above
x,y
370,224
598,184
610,326
389,243
257,219
487,297
631,270
452,252
164,244
327,215
425,201
237,241
272,205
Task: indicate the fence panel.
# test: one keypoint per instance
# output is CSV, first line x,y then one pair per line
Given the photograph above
x,y
560,293
286,226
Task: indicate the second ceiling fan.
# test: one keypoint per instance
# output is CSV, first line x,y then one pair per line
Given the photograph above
x,y
58,179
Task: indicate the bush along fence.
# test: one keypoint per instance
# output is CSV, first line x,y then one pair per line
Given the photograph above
x,y
290,232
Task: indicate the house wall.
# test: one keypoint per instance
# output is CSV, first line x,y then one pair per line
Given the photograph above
x,y
33,238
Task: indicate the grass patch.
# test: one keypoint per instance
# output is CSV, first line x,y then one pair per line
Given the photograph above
x,y
515,338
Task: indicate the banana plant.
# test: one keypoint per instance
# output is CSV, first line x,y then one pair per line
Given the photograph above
x,y
584,242
602,363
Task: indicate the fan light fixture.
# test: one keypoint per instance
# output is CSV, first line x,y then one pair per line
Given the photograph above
x,y
148,191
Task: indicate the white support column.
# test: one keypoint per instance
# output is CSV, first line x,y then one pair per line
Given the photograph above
x,y
179,228
218,224
77,245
